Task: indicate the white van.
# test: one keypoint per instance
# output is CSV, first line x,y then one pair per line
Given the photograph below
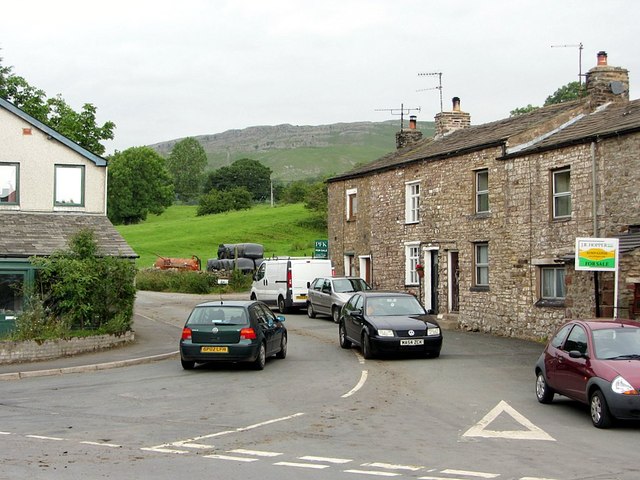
x,y
283,281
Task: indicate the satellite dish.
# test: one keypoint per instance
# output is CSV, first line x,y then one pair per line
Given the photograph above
x,y
616,87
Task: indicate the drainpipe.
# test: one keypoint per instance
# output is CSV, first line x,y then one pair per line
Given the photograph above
x,y
594,206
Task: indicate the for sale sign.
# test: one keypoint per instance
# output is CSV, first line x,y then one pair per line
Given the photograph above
x,y
600,254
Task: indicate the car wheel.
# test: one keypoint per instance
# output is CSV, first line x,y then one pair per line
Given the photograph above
x,y
335,314
282,307
344,341
187,365
283,348
367,351
253,297
544,393
261,359
310,311
600,415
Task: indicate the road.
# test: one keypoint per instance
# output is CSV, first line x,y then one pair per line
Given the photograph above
x,y
323,412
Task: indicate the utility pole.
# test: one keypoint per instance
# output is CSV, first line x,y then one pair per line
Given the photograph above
x,y
401,112
439,87
579,46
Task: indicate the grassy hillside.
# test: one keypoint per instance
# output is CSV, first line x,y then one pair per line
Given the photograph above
x,y
301,152
179,233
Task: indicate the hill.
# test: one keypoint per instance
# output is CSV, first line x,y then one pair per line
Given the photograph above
x,y
300,152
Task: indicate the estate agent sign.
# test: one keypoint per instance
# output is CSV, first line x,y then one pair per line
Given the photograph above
x,y
599,254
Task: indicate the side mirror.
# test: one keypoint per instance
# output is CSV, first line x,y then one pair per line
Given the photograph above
x,y
357,313
308,284
577,354
281,318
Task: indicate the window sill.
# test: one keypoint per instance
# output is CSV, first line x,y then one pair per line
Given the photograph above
x,y
412,223
561,219
479,288
481,215
550,303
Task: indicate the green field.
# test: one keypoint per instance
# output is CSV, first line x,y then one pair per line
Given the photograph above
x,y
178,232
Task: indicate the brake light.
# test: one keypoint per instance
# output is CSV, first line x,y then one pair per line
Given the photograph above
x,y
186,333
248,334
289,279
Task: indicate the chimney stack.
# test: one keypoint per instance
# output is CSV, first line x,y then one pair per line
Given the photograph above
x,y
448,122
606,84
405,138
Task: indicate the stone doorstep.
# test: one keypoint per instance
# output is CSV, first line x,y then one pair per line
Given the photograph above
x,y
29,351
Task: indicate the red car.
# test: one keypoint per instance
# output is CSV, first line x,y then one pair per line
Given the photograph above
x,y
596,362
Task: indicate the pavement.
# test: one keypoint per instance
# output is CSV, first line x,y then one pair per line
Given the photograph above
x,y
154,340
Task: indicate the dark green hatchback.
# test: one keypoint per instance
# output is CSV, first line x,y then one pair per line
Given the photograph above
x,y
232,331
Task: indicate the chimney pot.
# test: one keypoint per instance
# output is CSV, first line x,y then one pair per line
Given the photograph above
x,y
602,58
456,104
412,122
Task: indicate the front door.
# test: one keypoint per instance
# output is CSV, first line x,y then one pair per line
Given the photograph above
x,y
454,282
431,281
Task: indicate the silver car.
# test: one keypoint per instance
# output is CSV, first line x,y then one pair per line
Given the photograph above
x,y
327,295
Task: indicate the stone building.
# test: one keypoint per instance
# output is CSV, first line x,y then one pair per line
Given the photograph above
x,y
491,213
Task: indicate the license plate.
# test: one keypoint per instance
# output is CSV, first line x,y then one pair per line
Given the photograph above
x,y
214,349
301,297
412,341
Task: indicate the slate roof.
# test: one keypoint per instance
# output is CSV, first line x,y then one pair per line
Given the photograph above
x,y
610,121
99,161
28,234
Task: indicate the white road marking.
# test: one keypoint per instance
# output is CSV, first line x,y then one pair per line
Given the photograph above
x,y
193,445
442,478
532,433
257,453
536,478
373,472
325,459
5,433
301,465
193,441
230,457
391,466
100,444
164,450
360,384
41,437
470,473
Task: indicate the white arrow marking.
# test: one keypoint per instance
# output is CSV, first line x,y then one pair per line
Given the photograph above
x,y
532,433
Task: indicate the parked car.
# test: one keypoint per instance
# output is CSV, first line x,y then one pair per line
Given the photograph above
x,y
232,331
327,295
388,322
284,281
596,362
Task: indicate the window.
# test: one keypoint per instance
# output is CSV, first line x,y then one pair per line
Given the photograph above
x,y
349,265
9,183
11,292
412,202
552,283
482,191
69,185
352,204
562,193
577,340
412,258
481,265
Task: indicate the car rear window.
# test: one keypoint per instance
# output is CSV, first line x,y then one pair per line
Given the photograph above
x,y
218,315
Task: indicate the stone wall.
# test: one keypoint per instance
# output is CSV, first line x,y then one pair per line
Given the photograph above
x,y
32,351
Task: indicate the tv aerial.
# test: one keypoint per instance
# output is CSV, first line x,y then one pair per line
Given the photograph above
x,y
439,87
401,111
579,46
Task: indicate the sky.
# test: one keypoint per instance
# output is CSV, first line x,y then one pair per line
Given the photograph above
x,y
166,69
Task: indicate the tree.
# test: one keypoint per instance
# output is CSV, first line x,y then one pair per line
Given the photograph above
x,y
218,201
295,192
570,91
186,163
139,184
316,200
245,172
566,93
80,126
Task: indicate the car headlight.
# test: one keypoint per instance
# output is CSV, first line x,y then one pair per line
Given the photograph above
x,y
432,332
620,385
385,333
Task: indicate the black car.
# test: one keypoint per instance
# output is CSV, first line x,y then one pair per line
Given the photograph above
x,y
232,331
388,322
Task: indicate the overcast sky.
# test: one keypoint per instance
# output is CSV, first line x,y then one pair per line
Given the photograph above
x,y
163,70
